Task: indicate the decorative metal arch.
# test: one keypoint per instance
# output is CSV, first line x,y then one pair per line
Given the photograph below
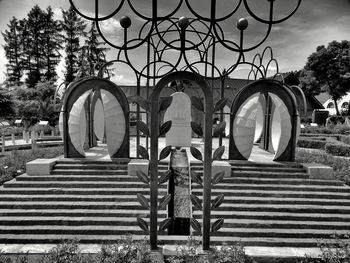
x,y
208,96
281,91
74,92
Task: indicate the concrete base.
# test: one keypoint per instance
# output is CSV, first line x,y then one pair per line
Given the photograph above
x,y
319,171
137,165
157,256
219,166
40,166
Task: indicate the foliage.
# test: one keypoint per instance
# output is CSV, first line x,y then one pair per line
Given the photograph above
x,y
341,166
338,149
125,250
14,162
6,104
311,143
13,51
332,129
19,258
331,67
309,83
73,26
225,254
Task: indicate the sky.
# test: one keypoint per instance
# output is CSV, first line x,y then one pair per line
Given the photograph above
x,y
317,22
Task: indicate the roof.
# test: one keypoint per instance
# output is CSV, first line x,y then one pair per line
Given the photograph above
x,y
322,97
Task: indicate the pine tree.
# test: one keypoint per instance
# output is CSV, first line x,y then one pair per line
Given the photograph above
x,y
52,44
73,27
13,51
34,45
95,53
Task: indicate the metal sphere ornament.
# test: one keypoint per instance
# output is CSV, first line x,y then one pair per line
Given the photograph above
x,y
125,22
242,24
183,22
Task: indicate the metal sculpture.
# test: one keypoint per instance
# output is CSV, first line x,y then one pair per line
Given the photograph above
x,y
201,36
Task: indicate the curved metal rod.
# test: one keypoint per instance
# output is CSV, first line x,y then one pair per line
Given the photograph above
x,y
303,96
267,48
271,21
95,18
58,88
276,64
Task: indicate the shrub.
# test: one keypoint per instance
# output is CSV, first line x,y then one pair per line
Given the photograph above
x,y
311,143
226,254
344,139
338,149
14,162
341,166
332,129
125,250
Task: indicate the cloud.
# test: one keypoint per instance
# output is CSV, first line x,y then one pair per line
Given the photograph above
x,y
3,61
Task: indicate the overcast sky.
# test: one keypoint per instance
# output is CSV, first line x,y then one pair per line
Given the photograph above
x,y
317,22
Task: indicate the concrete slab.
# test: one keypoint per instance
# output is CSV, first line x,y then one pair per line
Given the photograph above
x,y
219,166
319,171
40,166
136,165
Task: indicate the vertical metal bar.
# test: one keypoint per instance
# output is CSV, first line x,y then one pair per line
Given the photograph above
x,y
207,172
138,91
222,95
154,173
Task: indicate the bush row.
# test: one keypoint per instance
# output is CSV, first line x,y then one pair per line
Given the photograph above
x,y
311,143
333,129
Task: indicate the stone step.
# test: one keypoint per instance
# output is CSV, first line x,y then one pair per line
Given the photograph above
x,y
108,213
237,163
70,205
277,187
77,184
72,198
92,161
279,169
286,200
289,181
296,208
268,174
69,221
275,193
92,166
74,178
76,191
283,224
262,215
162,239
88,172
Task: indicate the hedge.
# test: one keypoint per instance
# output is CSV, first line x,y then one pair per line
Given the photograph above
x,y
344,139
338,148
314,144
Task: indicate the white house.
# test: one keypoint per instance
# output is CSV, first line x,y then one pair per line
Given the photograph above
x,y
343,104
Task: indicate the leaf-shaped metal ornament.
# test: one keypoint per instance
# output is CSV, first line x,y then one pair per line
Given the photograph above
x,y
196,225
195,177
197,103
219,129
165,224
166,102
143,128
196,128
218,153
142,177
142,102
142,224
164,153
217,225
197,203
143,200
218,177
164,177
143,152
164,128
164,201
217,201
196,153
220,104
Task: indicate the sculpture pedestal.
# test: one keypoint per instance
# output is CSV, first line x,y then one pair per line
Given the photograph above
x,y
179,188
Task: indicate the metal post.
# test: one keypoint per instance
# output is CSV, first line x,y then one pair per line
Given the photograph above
x,y
3,143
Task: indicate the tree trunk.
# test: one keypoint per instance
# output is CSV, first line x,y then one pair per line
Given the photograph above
x,y
336,106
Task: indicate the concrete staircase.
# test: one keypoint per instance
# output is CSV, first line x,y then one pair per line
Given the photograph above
x,y
93,201
275,204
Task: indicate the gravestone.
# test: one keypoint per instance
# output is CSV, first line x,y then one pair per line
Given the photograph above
x,y
179,112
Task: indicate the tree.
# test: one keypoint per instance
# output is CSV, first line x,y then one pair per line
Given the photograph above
x,y
331,68
6,104
34,42
73,27
52,40
95,54
309,83
13,51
